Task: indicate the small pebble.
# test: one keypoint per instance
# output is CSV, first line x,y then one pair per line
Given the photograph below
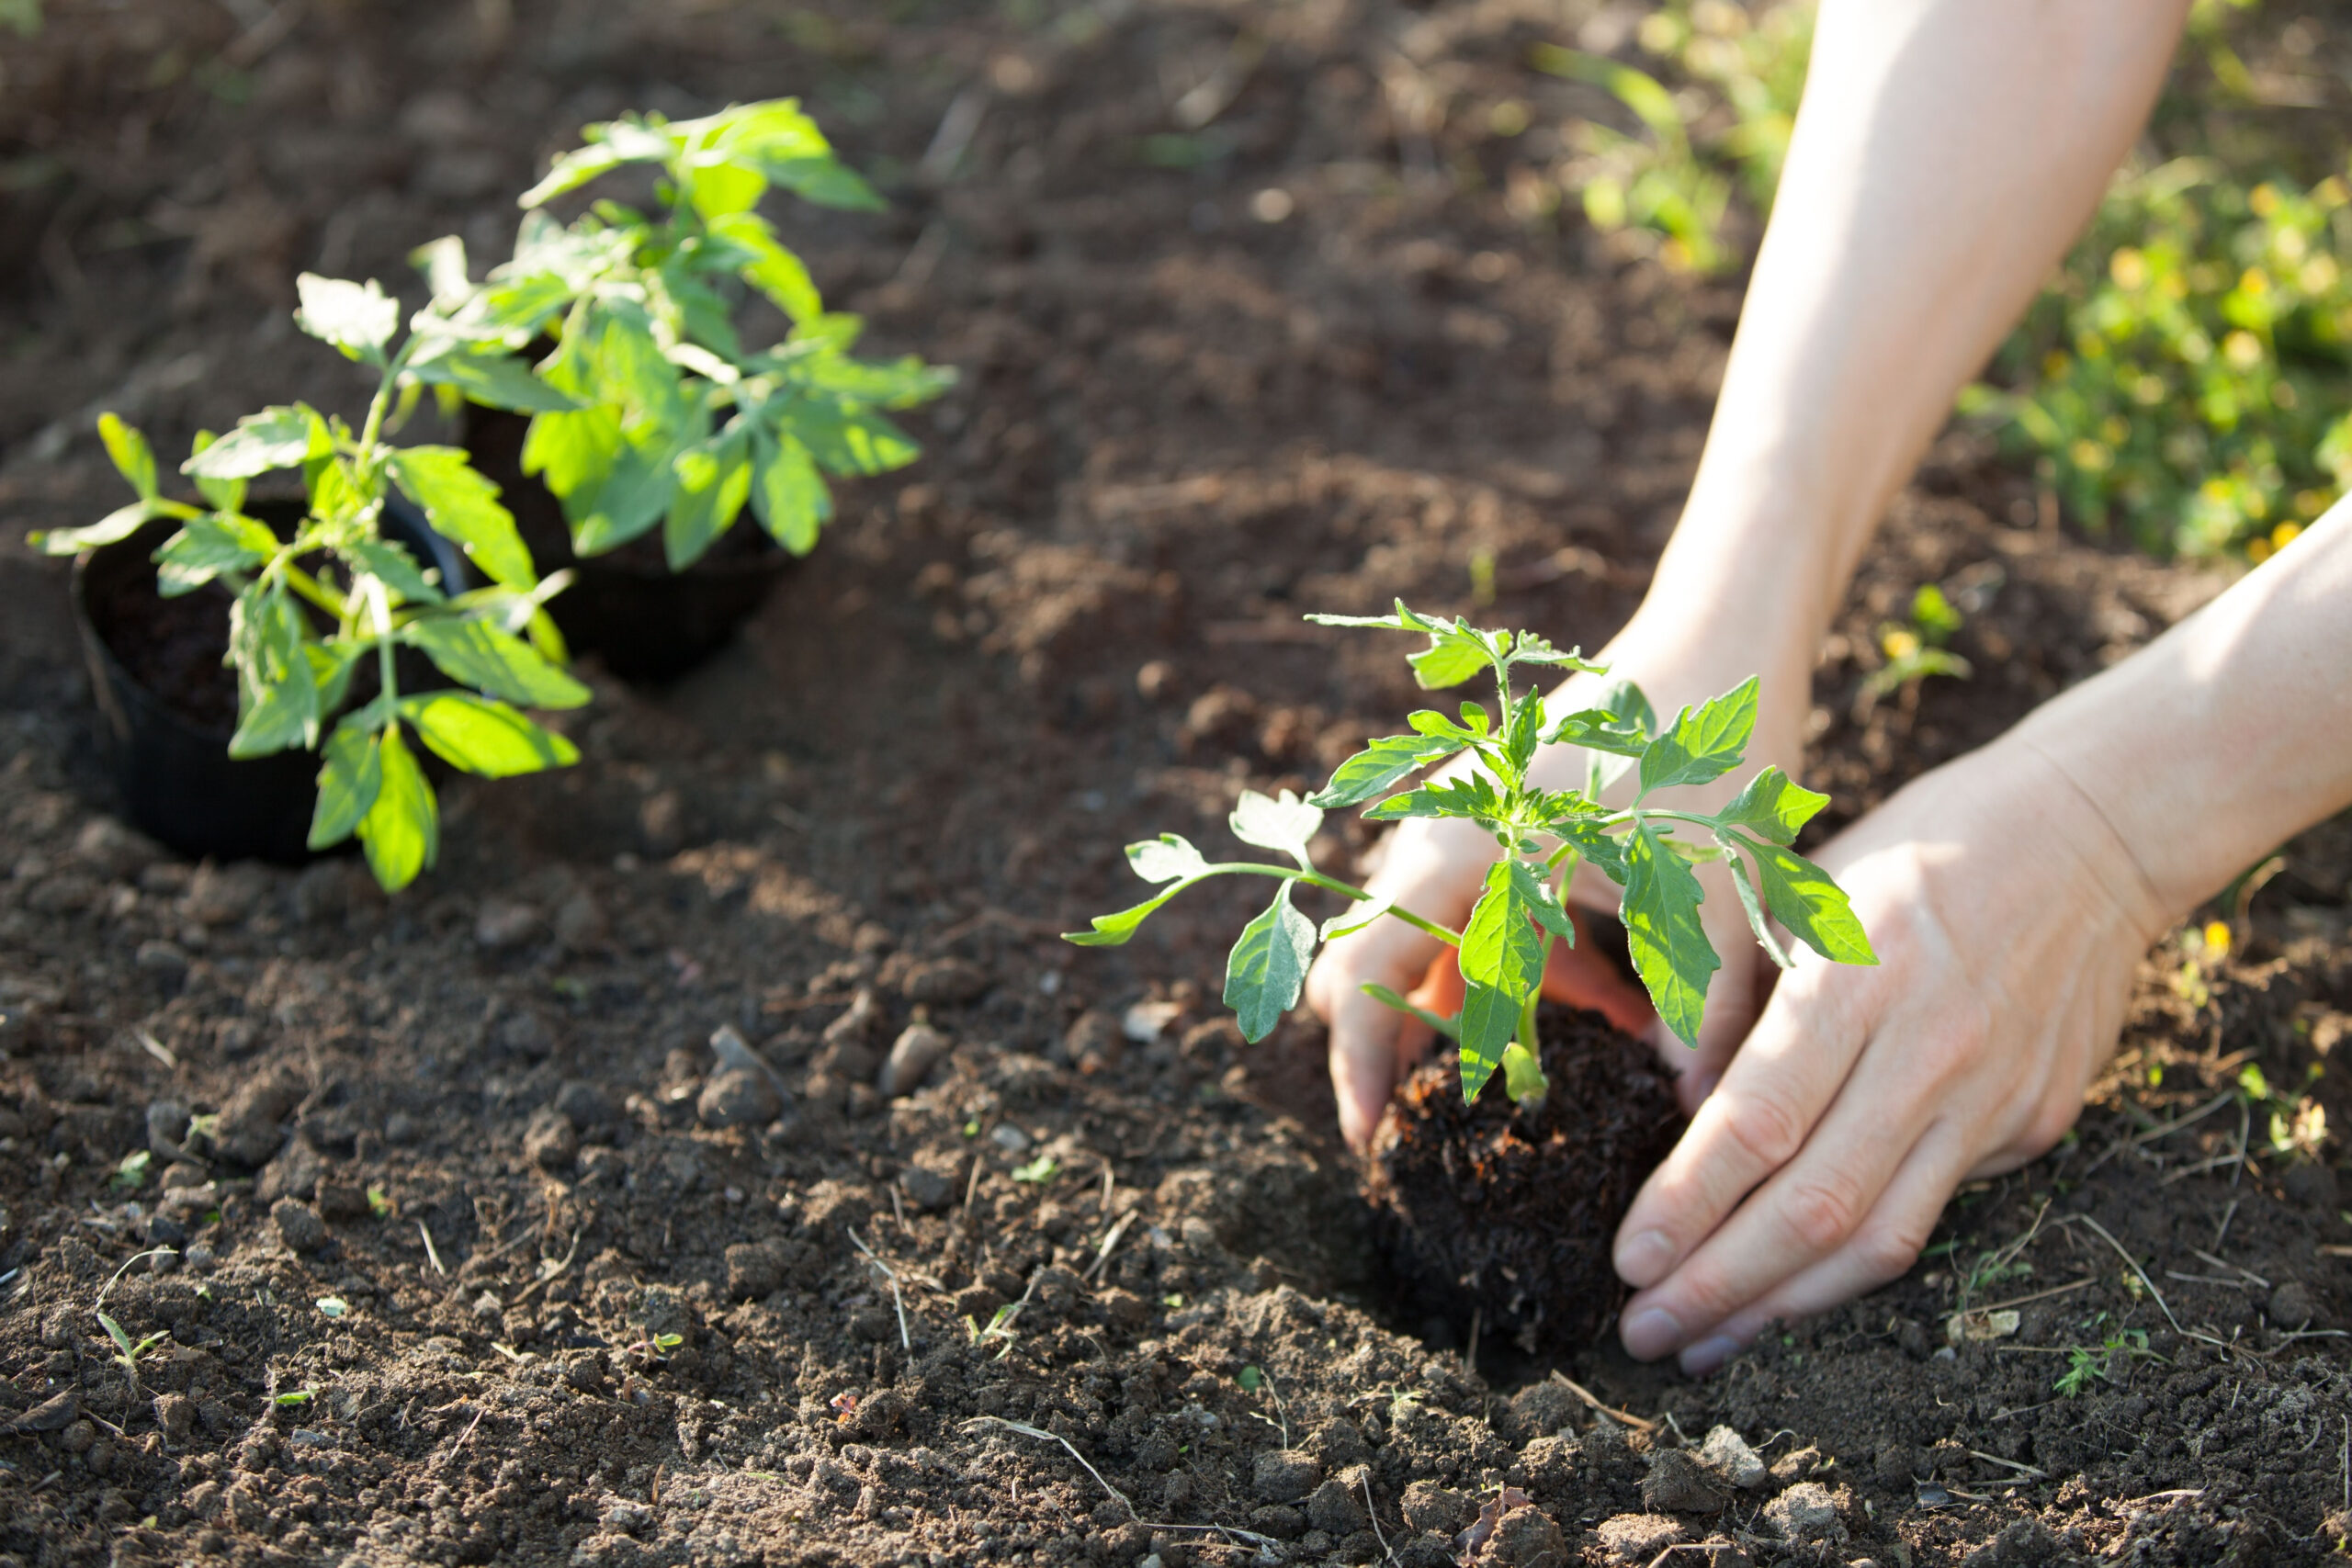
x,y
300,1227
913,1055
739,1097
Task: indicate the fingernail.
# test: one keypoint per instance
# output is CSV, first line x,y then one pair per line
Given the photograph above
x,y
1644,1261
1709,1355
1650,1333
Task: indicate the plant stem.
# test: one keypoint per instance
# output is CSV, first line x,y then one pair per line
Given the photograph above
x,y
383,618
1290,873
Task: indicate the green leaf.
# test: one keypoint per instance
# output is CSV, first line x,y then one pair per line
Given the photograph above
x,y
463,507
111,529
488,659
848,440
206,546
1448,661
1451,1028
133,458
1603,853
1166,859
1804,898
282,437
1600,729
443,263
1381,764
1472,797
1705,743
1355,917
401,831
282,711
358,319
1115,930
572,453
774,271
494,379
1489,1021
1285,824
222,495
348,785
828,182
1670,946
723,190
714,481
789,495
1501,947
392,565
1268,967
1773,806
483,736
1534,889
1526,730
1752,907
1529,648
115,1332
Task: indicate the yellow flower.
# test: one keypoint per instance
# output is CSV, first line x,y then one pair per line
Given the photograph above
x,y
1898,644
2217,939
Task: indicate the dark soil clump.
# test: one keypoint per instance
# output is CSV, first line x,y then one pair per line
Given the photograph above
x,y
1482,1212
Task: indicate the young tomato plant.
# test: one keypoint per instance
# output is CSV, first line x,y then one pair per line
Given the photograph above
x,y
300,629
1543,834
681,423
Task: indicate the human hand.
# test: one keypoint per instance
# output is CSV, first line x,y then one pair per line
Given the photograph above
x,y
2008,917
1435,869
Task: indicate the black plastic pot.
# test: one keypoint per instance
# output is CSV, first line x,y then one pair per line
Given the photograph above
x,y
644,621
178,783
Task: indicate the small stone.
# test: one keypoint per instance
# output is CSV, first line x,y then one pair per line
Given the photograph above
x,y
1805,1512
164,1231
945,982
550,1142
51,1415
1335,1508
166,1127
1638,1538
1680,1484
926,1188
856,1023
913,1055
587,1107
1283,1475
1092,1044
2294,1304
504,924
740,1097
297,1226
753,1270
78,1436
524,1035
400,1129
163,960
1729,1455
200,1257
181,1175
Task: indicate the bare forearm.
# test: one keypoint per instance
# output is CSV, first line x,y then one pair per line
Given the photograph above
x,y
2229,734
1946,154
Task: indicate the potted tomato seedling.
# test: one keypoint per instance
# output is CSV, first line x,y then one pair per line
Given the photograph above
x,y
1505,1208
395,600
681,423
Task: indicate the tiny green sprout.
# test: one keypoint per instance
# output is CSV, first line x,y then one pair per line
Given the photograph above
x,y
132,1174
1042,1170
1250,1378
127,1353
1916,651
2084,1362
1171,1301
667,416
379,1202
665,1343
1000,1328
1544,833
293,1397
972,1128
332,1306
300,630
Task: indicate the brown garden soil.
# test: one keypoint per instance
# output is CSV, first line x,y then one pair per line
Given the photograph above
x,y
492,1266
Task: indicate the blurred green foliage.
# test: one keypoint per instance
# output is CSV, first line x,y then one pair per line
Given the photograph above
x,y
2187,374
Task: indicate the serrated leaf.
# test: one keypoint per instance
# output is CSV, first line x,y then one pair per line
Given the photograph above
x,y
789,495
391,564
132,457
222,495
1355,917
494,379
203,549
1705,743
1772,806
1286,823
1448,661
1600,729
348,785
774,271
1472,797
1267,967
1531,649
1473,725
849,440
443,263
463,507
494,661
1489,1020
1501,947
1670,946
1815,910
111,529
1534,889
1604,853
1526,730
571,170
1166,859
484,737
827,182
402,832
1115,930
281,710
714,481
357,317
282,437
1381,764
1402,619
1752,908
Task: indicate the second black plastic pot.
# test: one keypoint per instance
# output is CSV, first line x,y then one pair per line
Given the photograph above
x,y
178,783
644,621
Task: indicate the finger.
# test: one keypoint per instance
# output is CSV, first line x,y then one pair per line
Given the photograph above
x,y
1735,1002
1368,1039
1582,976
1442,987
1772,1095
1881,1248
1809,1210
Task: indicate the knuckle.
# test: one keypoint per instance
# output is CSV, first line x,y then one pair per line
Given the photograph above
x,y
1822,1213
1763,1126
1888,1247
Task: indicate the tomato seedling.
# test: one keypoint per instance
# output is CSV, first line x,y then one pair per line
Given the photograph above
x,y
299,630
680,424
1543,834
